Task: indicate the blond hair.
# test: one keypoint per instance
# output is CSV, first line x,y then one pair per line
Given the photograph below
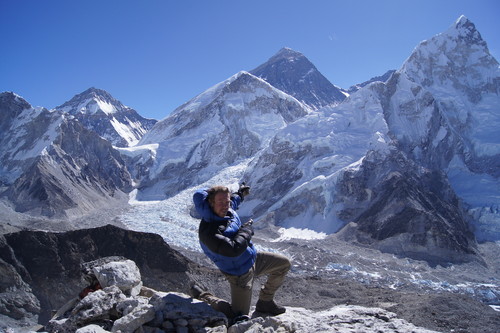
x,y
213,191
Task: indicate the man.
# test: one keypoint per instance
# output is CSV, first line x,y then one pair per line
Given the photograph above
x,y
227,242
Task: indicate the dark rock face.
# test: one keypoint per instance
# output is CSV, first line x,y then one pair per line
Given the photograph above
x,y
11,106
293,73
404,209
51,263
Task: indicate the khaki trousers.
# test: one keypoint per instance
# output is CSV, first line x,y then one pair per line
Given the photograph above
x,y
274,265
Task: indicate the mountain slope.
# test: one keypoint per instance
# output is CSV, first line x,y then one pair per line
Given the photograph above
x,y
97,110
27,131
53,166
230,122
79,172
293,73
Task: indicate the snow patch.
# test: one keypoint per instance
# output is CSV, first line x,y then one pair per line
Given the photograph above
x,y
298,233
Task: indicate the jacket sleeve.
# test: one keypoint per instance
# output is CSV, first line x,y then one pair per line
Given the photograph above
x,y
211,235
235,201
202,206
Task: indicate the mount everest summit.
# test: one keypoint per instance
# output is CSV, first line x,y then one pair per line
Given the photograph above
x,y
409,165
293,73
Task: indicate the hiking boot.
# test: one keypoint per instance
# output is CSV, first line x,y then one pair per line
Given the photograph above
x,y
196,291
269,307
218,304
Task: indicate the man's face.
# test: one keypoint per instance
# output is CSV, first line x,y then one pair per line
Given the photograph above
x,y
221,204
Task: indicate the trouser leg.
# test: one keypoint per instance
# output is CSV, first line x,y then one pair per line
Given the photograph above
x,y
241,292
218,304
275,266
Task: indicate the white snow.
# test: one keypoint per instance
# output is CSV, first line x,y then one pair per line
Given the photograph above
x,y
91,106
297,233
125,130
105,106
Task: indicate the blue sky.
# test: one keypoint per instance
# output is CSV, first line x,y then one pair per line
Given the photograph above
x,y
154,55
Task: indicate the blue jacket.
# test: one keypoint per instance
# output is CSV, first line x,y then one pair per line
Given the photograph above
x,y
224,239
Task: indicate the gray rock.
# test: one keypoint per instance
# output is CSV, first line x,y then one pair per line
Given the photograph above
x,y
135,317
123,274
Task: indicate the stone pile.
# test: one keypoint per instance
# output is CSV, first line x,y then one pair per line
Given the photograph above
x,y
121,304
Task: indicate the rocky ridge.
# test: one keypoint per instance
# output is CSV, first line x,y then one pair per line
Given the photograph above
x,y
381,78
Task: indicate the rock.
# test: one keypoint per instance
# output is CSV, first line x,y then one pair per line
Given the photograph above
x,y
16,297
138,316
109,309
342,318
95,307
123,274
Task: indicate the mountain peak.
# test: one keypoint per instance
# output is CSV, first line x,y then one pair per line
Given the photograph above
x,y
288,53
291,72
463,28
91,101
93,91
462,46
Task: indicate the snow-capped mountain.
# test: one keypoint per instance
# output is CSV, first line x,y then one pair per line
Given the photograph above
x,y
97,110
230,122
455,84
436,115
291,72
53,166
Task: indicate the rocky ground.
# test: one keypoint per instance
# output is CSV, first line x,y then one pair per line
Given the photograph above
x,y
122,303
329,273
442,311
